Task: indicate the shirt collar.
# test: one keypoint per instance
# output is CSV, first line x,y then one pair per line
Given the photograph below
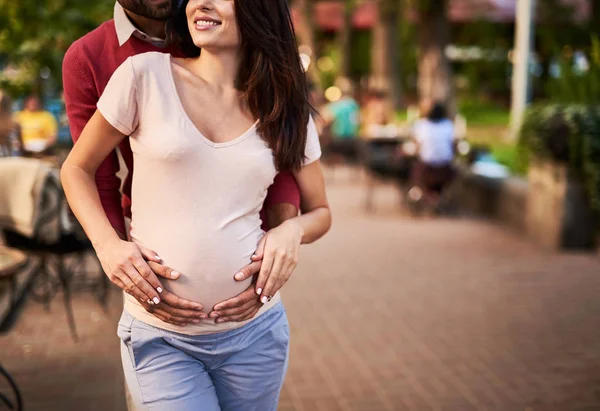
x,y
125,29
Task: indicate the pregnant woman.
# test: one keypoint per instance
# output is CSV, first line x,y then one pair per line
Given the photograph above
x,y
208,133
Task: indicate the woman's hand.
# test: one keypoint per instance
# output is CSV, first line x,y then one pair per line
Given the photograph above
x,y
125,264
278,250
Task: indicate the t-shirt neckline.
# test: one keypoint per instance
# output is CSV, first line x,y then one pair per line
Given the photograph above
x,y
206,140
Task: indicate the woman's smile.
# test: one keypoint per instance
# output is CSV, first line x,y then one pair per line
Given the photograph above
x,y
206,23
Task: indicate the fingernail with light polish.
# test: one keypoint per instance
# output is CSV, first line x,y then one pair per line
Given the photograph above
x,y
160,290
219,321
158,257
239,276
174,274
259,291
264,300
150,302
156,300
203,316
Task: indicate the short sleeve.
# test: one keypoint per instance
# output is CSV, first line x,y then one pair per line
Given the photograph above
x,y
119,104
313,147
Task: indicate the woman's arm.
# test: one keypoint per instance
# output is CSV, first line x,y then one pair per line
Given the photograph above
x,y
124,262
315,220
281,245
97,141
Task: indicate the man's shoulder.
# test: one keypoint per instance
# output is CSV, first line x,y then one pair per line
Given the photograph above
x,y
94,43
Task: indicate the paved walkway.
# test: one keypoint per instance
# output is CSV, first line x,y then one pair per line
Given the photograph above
x,y
387,313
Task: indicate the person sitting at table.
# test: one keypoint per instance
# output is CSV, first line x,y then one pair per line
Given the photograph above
x,y
10,132
434,136
39,127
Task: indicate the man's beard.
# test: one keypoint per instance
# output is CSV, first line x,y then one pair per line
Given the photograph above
x,y
162,11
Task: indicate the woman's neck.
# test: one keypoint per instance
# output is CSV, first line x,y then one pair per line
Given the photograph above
x,y
219,69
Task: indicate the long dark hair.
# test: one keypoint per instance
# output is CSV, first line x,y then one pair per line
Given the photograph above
x,y
271,76
437,113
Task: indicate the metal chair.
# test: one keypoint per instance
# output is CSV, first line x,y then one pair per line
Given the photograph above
x,y
17,405
382,161
50,277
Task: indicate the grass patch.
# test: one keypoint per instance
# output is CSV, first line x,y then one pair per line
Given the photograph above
x,y
504,151
484,114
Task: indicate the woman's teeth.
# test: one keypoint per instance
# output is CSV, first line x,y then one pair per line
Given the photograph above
x,y
206,23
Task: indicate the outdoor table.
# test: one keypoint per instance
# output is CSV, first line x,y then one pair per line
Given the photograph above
x,y
384,159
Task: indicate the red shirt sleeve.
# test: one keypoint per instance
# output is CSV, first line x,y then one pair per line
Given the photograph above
x,y
284,190
81,97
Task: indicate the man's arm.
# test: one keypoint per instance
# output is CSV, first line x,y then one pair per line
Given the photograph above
x,y
283,200
81,97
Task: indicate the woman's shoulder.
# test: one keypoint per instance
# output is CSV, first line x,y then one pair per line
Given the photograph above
x,y
147,61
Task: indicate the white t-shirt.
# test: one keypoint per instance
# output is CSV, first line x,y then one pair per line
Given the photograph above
x,y
435,140
195,202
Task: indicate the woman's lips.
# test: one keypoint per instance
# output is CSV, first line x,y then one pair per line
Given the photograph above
x,y
205,24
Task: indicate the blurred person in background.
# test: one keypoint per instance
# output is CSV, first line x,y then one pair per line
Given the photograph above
x,y
139,26
343,115
39,128
10,132
196,197
342,122
378,117
434,137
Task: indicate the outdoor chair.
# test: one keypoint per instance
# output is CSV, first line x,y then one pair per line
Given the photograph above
x,y
59,247
383,160
5,401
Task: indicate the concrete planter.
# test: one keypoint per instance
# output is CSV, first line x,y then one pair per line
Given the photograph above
x,y
558,211
503,200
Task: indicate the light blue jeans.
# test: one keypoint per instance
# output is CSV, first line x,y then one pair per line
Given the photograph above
x,y
237,370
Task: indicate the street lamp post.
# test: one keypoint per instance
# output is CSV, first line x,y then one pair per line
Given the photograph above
x,y
521,78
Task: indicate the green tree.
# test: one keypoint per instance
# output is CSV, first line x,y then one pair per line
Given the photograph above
x,y
433,36
345,38
385,56
34,34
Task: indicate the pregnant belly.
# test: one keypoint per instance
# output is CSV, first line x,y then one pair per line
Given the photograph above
x,y
207,265
206,286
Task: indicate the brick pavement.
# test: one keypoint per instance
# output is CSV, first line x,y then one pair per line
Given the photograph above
x,y
387,313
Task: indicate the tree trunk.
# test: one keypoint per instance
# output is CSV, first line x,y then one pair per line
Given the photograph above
x,y
305,31
344,39
385,67
595,18
435,76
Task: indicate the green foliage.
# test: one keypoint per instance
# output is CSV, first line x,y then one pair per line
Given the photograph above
x,y
360,53
36,33
567,134
576,87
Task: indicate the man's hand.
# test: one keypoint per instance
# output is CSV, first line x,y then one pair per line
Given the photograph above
x,y
173,309
245,305
134,269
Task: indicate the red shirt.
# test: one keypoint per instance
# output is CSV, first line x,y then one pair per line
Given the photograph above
x,y
88,65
